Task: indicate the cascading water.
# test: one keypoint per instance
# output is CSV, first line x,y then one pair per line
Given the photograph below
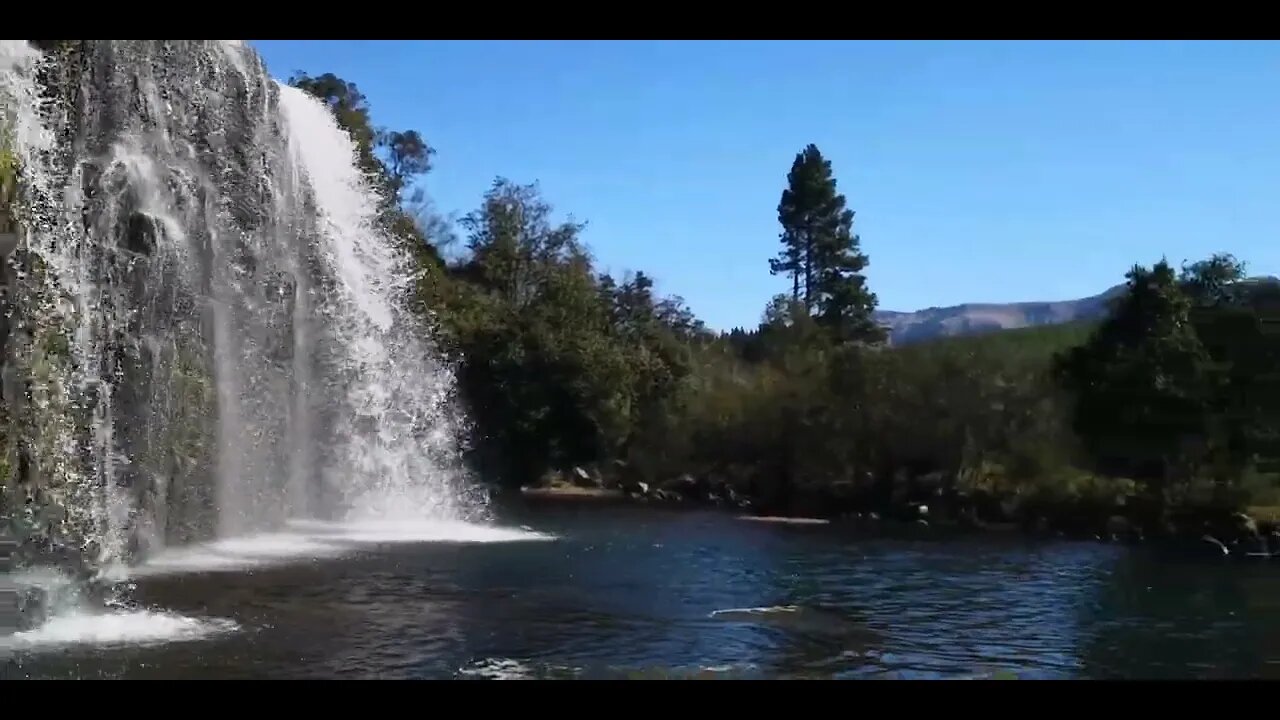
x,y
395,431
209,337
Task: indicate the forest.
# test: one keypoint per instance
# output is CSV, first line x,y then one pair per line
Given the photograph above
x,y
1158,418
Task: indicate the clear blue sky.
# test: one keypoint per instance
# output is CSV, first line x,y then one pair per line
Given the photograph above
x,y
980,171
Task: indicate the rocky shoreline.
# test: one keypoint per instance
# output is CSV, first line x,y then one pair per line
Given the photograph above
x,y
1221,533
584,483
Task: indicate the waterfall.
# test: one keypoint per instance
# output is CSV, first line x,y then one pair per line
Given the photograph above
x,y
209,334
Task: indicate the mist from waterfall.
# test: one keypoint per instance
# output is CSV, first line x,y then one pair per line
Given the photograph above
x,y
398,432
211,335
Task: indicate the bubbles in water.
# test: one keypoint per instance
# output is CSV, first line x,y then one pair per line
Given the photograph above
x,y
69,618
137,627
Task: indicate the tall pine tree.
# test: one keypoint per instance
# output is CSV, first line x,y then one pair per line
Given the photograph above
x,y
821,253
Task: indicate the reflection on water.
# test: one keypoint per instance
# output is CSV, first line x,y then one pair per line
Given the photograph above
x,y
657,594
1210,620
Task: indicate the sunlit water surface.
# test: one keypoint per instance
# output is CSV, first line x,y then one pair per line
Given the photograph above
x,y
591,592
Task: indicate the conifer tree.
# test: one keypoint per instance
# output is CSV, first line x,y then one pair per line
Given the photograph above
x,y
821,253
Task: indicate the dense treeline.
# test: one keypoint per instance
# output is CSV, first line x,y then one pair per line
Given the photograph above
x,y
1168,405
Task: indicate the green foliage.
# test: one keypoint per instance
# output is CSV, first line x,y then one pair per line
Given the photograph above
x,y
408,156
1169,400
1139,381
559,367
1177,387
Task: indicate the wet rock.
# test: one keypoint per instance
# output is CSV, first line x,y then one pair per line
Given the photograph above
x,y
631,485
140,234
669,496
582,478
27,605
8,240
684,485
90,179
49,45
732,497
1246,526
24,463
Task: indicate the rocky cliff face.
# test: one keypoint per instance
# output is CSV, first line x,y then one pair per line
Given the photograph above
x,y
206,335
148,213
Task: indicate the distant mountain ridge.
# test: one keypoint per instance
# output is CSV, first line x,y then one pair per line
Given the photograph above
x,y
973,318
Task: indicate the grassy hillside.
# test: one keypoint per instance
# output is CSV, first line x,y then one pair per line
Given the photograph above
x,y
976,318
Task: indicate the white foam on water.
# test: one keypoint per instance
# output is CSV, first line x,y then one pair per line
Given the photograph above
x,y
426,531
770,610
135,627
497,669
239,554
70,622
311,540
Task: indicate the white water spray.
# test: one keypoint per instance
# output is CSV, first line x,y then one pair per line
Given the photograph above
x,y
397,434
237,351
210,363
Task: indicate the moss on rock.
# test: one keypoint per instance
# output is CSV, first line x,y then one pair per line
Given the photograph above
x,y
8,188
180,444
47,495
8,176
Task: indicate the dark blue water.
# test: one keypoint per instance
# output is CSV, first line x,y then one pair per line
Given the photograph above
x,y
635,593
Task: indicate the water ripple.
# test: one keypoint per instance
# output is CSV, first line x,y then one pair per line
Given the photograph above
x,y
691,595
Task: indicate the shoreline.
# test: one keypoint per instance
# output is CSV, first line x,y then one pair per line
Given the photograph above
x,y
1242,545
572,492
